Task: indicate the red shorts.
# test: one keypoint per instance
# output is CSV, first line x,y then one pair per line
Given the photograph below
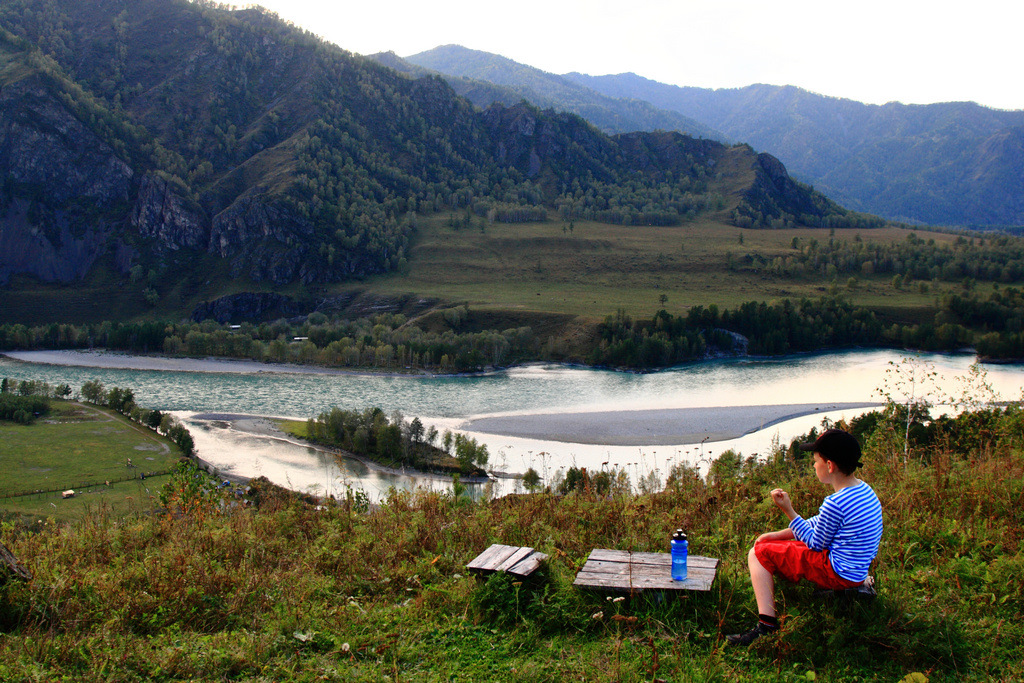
x,y
793,560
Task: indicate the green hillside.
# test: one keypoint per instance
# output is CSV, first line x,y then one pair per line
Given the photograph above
x,y
209,589
162,153
953,163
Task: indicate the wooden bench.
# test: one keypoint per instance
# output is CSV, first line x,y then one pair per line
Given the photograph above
x,y
507,558
622,570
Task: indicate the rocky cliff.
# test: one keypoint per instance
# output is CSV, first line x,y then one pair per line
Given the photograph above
x,y
64,187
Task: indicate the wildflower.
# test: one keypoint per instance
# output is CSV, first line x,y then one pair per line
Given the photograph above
x,y
597,616
345,647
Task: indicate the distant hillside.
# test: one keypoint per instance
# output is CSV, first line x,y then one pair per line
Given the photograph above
x,y
953,163
468,69
941,164
166,141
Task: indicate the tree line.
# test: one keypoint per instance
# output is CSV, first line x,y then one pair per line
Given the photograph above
x,y
395,441
384,341
992,323
980,257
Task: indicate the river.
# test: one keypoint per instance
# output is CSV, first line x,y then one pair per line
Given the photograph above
x,y
549,417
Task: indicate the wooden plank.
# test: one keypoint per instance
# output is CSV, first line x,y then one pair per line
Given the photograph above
x,y
694,583
626,572
658,559
528,565
602,582
513,559
640,567
521,561
489,559
625,577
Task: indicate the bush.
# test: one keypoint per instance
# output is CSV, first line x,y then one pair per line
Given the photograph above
x,y
22,409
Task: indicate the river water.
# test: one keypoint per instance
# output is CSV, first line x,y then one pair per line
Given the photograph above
x,y
748,393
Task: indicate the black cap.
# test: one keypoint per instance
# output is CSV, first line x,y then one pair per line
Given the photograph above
x,y
838,446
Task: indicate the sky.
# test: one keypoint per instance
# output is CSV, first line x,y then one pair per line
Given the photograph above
x,y
872,51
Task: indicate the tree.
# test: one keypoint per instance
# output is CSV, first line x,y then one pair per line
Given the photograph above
x,y
910,390
531,480
121,400
92,391
416,431
469,452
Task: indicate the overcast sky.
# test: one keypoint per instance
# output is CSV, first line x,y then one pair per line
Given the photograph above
x,y
873,51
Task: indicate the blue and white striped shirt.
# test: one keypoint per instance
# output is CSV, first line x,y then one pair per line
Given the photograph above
x,y
849,526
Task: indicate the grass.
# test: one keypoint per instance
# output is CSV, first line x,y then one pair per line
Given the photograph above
x,y
297,428
540,269
597,269
80,447
287,591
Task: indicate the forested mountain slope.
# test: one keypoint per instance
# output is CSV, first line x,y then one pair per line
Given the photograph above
x,y
951,163
147,135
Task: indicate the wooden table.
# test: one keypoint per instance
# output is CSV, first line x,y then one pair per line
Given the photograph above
x,y
622,570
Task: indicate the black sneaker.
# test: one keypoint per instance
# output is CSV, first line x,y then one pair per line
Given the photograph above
x,y
864,592
760,629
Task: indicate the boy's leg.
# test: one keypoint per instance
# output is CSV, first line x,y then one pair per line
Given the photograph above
x,y
763,583
764,592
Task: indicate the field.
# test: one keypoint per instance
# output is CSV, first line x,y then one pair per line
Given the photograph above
x,y
81,447
596,269
531,271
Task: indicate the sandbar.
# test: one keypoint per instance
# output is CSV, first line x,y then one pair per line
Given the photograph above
x,y
657,427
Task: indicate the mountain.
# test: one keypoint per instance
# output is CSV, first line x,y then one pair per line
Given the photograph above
x,y
180,146
467,70
954,163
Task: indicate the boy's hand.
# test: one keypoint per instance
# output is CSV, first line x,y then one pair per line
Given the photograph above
x,y
781,498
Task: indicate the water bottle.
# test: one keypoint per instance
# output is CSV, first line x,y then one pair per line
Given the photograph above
x,y
680,548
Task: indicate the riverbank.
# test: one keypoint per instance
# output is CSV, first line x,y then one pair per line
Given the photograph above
x,y
268,428
126,361
653,427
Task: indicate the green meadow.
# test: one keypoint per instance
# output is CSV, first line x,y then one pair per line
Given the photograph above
x,y
596,269
81,447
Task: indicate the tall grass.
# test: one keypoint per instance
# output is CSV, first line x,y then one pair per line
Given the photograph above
x,y
210,589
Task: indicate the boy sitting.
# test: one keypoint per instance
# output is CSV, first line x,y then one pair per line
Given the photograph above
x,y
833,549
